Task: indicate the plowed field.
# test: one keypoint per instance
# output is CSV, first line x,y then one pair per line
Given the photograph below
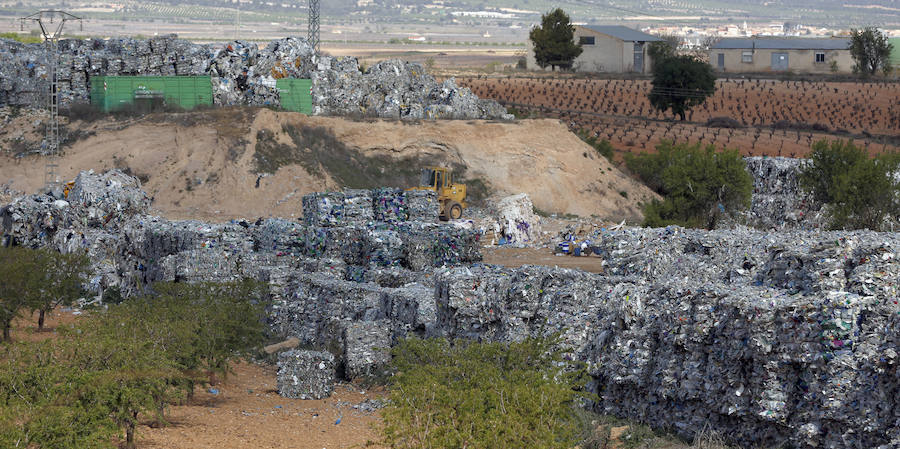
x,y
779,117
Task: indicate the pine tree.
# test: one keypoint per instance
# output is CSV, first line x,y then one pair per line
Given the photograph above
x,y
554,43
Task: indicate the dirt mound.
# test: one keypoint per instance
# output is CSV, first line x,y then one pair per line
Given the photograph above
x,y
229,163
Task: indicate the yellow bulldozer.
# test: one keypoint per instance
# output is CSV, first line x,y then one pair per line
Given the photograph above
x,y
452,197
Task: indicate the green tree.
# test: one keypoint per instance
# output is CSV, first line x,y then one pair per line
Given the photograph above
x,y
699,185
871,50
228,321
22,273
64,275
861,191
554,43
664,48
472,394
680,83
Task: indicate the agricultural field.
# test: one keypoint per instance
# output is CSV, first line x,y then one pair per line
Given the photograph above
x,y
771,117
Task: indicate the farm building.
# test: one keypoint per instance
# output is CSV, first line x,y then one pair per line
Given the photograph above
x,y
807,55
608,48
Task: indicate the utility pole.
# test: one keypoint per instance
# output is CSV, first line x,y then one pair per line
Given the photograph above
x,y
51,23
312,35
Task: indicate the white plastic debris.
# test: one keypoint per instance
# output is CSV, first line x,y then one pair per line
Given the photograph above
x,y
515,221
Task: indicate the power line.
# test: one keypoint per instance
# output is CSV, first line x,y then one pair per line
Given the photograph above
x,y
312,34
51,23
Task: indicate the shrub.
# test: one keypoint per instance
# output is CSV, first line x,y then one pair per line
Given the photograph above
x,y
698,184
861,191
724,122
85,112
21,38
482,395
603,147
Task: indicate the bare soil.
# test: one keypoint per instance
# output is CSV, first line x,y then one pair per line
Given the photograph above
x,y
203,164
516,257
246,410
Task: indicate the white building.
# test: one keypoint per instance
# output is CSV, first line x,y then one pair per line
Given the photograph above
x,y
607,48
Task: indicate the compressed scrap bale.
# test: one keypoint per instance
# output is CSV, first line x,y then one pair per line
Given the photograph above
x,y
33,220
385,247
393,276
434,245
819,268
358,207
324,209
875,271
389,205
109,195
153,238
279,235
516,221
200,265
422,205
316,307
104,251
348,243
412,310
305,374
367,347
470,302
777,201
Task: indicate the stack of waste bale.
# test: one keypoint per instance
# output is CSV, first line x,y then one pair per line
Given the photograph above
x,y
772,339
384,227
242,74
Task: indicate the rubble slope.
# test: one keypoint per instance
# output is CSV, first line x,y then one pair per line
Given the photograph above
x,y
203,164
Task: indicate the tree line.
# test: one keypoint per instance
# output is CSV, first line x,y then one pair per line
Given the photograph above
x,y
93,383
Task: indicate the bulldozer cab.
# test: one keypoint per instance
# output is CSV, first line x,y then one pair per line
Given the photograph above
x,y
436,178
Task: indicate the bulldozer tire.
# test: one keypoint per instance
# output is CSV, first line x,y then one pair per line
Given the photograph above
x,y
455,211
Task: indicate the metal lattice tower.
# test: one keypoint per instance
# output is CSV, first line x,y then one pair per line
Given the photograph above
x,y
312,35
51,24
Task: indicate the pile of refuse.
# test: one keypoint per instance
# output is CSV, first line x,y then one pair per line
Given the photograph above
x,y
771,338
242,74
394,89
514,222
